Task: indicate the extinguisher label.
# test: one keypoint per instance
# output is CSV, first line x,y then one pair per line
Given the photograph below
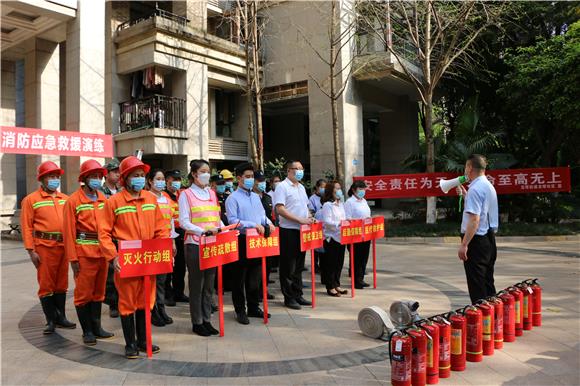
x,y
455,341
526,306
487,327
398,357
401,370
444,350
518,306
430,353
473,332
399,345
418,362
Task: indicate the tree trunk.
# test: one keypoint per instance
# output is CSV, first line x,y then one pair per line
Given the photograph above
x,y
430,142
257,86
249,94
333,99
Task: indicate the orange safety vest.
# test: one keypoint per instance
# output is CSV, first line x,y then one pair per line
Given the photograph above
x,y
203,213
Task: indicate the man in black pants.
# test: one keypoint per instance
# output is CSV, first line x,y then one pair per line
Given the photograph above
x,y
291,203
480,222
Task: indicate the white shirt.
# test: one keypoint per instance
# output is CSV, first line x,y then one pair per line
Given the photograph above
x,y
185,210
356,208
161,199
481,200
294,199
332,214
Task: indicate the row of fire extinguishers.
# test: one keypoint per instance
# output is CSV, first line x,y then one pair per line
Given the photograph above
x,y
431,348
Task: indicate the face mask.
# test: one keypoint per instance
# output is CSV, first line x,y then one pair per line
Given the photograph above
x,y
203,178
360,193
94,183
229,184
339,194
221,189
137,183
262,186
248,183
299,175
53,184
176,185
159,184
321,191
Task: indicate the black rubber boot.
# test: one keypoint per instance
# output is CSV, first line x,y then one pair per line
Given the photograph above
x,y
84,314
156,318
96,322
166,318
49,310
61,320
128,324
142,334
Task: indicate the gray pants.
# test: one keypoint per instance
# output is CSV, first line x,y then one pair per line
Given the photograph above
x,y
200,286
160,286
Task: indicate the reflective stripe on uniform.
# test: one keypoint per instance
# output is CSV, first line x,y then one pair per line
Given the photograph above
x,y
101,205
204,219
82,207
61,202
205,208
87,242
126,209
40,204
147,207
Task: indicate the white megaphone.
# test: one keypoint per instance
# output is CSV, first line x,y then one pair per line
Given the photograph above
x,y
447,185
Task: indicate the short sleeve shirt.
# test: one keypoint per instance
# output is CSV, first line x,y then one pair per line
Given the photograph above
x,y
481,200
294,199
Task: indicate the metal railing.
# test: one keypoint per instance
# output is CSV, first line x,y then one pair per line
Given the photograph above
x,y
181,21
157,111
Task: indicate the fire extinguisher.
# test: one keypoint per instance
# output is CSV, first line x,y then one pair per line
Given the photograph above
x,y
458,341
519,310
497,304
474,328
537,301
509,316
432,351
444,346
400,349
527,305
419,339
487,316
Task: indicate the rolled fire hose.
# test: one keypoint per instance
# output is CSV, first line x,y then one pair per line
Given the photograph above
x,y
374,322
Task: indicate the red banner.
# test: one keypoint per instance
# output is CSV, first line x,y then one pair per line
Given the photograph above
x,y
311,236
374,228
217,250
351,231
22,140
145,257
505,181
260,246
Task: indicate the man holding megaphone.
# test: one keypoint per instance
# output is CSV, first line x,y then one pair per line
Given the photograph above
x,y
478,227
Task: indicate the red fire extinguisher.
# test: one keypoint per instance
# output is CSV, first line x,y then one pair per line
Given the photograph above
x,y
527,305
400,351
474,328
537,301
432,351
519,310
419,339
497,304
487,316
444,346
509,316
458,341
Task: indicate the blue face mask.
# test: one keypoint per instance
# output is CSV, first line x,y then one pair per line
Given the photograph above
x,y
176,185
159,184
137,183
53,184
360,193
299,175
339,194
94,183
221,189
262,186
248,183
321,191
230,184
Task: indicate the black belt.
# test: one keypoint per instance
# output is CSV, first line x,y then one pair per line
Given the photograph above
x,y
47,235
83,235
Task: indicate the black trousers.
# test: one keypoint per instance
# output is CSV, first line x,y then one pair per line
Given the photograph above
x,y
245,275
111,294
291,263
178,275
331,263
361,258
479,267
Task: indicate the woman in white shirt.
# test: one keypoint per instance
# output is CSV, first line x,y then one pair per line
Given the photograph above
x,y
356,207
332,261
315,206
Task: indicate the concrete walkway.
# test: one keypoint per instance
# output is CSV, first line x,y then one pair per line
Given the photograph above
x,y
320,346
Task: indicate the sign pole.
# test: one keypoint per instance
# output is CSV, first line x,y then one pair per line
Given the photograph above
x,y
147,292
313,269
375,263
221,298
352,269
265,289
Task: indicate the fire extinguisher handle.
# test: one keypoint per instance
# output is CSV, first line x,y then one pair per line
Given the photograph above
x,y
390,340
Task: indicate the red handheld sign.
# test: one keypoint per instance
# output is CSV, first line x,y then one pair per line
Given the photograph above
x,y
145,257
351,231
374,228
217,250
311,236
260,246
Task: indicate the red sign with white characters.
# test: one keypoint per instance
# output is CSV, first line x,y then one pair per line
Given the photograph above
x,y
220,249
145,257
505,181
311,236
351,231
260,246
22,140
374,228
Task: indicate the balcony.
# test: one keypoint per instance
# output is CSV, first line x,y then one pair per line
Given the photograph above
x,y
224,148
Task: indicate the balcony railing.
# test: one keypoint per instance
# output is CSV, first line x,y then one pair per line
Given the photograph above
x,y
179,20
157,111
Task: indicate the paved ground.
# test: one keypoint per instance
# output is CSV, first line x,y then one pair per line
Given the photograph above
x,y
321,346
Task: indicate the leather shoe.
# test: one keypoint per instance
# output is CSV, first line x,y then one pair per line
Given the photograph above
x,y
113,312
242,318
303,302
210,328
257,313
181,298
292,304
336,294
365,284
200,330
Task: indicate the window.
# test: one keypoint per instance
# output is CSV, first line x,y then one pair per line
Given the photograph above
x,y
224,113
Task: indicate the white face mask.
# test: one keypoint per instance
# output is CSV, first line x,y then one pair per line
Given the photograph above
x,y
203,178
